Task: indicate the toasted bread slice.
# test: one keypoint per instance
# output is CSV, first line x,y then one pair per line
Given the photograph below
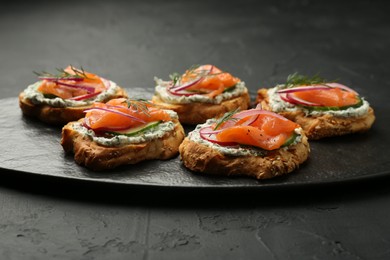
x,y
322,125
100,157
199,157
57,115
198,112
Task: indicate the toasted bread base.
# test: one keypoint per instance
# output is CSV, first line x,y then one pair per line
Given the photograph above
x,y
98,158
321,126
56,115
197,113
201,158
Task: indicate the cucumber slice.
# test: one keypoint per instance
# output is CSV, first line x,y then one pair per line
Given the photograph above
x,y
136,130
290,140
229,89
49,96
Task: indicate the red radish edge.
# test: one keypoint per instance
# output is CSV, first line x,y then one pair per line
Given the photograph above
x,y
181,93
89,89
187,85
304,88
296,100
341,86
86,96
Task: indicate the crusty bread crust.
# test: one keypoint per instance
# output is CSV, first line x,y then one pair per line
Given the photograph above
x,y
98,157
56,115
321,126
201,158
197,113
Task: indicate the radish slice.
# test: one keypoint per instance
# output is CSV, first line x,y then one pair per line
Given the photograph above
x,y
186,85
283,96
303,88
115,112
181,93
208,130
256,111
291,98
325,86
88,89
296,100
341,86
176,89
250,120
106,83
86,96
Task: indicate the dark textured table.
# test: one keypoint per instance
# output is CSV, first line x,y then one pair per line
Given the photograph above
x,y
46,217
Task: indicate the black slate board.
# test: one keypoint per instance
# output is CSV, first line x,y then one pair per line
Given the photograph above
x,y
29,146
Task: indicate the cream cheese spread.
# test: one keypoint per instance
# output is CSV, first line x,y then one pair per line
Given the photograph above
x,y
148,135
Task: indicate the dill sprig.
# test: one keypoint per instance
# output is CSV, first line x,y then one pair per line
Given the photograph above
x,y
62,74
139,105
296,79
175,77
226,117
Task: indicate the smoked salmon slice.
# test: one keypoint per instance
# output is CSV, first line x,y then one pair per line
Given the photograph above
x,y
254,127
205,79
121,114
317,92
333,97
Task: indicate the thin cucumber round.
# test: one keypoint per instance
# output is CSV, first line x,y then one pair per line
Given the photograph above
x,y
136,130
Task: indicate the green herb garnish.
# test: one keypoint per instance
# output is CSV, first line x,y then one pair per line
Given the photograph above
x,y
226,117
230,89
296,79
139,105
62,74
175,77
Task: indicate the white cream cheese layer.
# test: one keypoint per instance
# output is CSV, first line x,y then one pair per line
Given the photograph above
x,y
148,135
166,96
31,93
233,150
279,105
